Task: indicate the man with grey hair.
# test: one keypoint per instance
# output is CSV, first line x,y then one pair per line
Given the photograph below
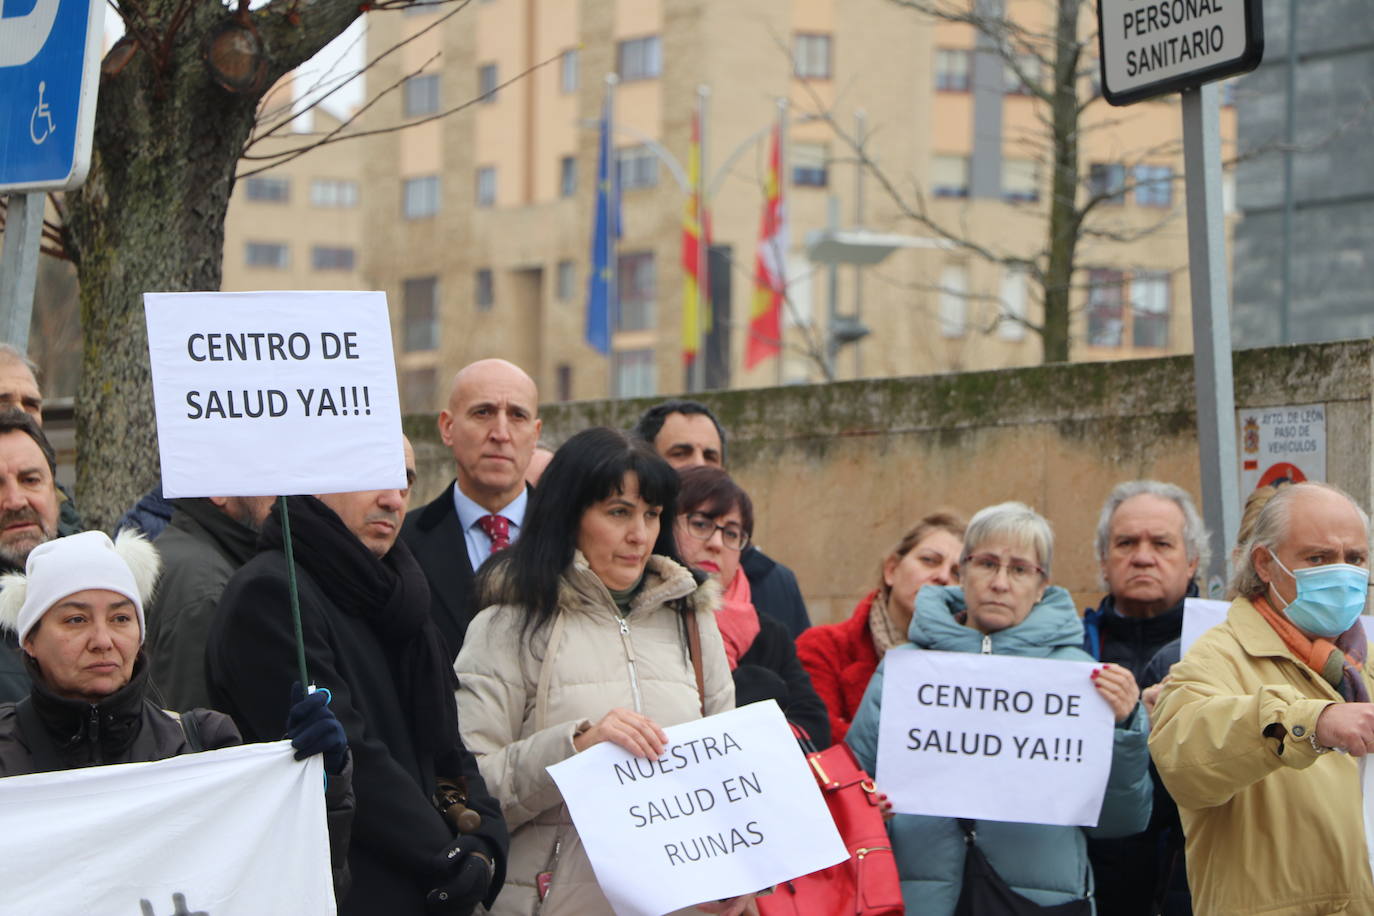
x,y
1150,545
1244,726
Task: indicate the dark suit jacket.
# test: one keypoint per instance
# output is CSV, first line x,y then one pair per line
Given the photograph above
x,y
435,536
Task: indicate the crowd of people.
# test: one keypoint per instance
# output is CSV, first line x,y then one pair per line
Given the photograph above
x,y
550,600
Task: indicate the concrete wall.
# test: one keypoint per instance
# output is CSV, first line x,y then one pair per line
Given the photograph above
x,y
837,472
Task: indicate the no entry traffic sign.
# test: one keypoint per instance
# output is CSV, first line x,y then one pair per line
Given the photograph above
x,y
1152,47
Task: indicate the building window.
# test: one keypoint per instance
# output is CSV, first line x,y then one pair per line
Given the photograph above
x,y
633,371
1020,180
266,189
271,255
798,310
569,71
566,281
333,192
417,389
1011,323
483,290
1030,78
486,186
953,300
420,306
567,176
486,83
1150,309
811,56
1154,185
420,197
563,382
639,59
421,95
810,164
953,70
637,167
949,176
1107,180
325,257
1105,323
637,282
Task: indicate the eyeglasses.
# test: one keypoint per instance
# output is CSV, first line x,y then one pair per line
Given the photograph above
x,y
702,527
986,566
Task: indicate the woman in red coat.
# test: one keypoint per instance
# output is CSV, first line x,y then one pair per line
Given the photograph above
x,y
841,657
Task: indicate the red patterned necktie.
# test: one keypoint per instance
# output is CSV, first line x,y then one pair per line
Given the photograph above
x,y
496,527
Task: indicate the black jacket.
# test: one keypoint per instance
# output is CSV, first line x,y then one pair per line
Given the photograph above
x,y
201,548
769,669
774,590
397,832
14,680
1130,641
435,536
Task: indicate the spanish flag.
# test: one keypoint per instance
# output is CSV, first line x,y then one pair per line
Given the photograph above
x,y
696,320
765,317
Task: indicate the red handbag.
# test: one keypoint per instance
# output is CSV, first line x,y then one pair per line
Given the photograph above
x,y
866,884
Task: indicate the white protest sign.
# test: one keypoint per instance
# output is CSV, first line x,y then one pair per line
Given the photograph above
x,y
993,737
730,808
1199,616
1282,442
235,832
274,393
1367,805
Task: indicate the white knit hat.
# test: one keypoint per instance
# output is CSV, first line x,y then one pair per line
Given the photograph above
x,y
65,566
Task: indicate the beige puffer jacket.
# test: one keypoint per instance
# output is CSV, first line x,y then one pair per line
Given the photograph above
x,y
521,699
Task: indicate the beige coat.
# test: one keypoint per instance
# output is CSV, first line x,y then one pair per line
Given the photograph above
x,y
1272,826
522,698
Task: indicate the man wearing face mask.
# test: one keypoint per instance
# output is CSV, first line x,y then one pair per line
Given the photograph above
x,y
1244,730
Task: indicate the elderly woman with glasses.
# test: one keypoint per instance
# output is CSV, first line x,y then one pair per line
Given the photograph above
x,y
1005,605
715,524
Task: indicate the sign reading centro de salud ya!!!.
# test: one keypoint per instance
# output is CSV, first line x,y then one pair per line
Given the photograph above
x,y
49,71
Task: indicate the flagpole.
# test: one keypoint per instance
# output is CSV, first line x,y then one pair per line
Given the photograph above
x,y
612,246
782,210
703,280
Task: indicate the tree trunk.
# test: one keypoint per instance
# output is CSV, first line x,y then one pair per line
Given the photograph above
x,y
1065,218
150,218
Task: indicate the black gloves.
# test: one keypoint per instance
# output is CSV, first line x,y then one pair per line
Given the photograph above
x,y
312,728
464,871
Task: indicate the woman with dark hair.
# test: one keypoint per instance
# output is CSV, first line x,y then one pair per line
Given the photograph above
x,y
842,657
714,526
593,631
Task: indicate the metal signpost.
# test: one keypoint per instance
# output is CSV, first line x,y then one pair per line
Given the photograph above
x,y
1149,48
49,72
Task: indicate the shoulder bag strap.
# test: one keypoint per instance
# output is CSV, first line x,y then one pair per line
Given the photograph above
x,y
694,650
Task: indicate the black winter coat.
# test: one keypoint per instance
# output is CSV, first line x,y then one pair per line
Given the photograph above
x,y
773,589
398,834
769,669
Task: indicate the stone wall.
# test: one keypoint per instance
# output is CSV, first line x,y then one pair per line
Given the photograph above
x,y
837,472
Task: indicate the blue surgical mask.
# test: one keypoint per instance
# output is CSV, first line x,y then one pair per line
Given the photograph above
x,y
1329,600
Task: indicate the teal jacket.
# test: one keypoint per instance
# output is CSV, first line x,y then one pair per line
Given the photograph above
x,y
1047,864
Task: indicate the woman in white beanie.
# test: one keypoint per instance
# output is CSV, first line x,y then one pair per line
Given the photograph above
x,y
78,613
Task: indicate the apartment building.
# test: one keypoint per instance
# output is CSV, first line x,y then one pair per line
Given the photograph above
x,y
481,209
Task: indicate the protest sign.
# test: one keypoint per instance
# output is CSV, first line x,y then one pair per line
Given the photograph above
x,y
730,808
274,393
1199,616
993,737
235,832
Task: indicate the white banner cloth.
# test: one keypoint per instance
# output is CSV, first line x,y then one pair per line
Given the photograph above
x,y
730,808
274,393
993,737
234,832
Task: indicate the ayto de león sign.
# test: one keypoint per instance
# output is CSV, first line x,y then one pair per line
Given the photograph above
x,y
1153,47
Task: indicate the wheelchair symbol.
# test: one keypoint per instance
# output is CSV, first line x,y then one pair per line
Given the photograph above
x,y
41,117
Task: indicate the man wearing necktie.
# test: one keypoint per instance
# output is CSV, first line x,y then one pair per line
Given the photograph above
x,y
491,425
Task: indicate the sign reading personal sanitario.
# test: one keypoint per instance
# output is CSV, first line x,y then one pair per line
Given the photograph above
x,y
1151,47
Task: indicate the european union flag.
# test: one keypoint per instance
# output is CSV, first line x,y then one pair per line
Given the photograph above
x,y
601,292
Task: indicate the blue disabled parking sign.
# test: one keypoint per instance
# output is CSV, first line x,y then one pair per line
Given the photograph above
x,y
49,71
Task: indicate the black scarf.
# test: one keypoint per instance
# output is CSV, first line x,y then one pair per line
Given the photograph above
x,y
392,595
